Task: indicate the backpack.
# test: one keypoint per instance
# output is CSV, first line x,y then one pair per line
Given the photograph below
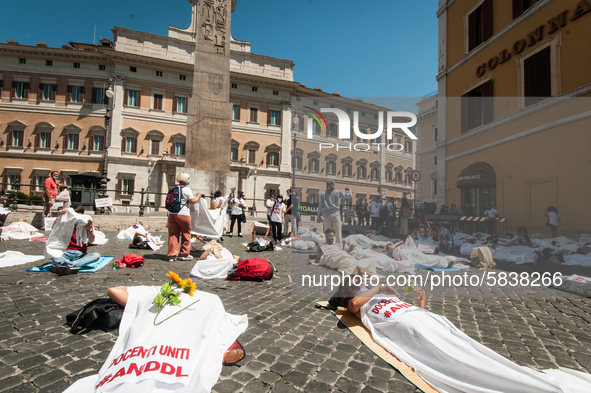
x,y
173,200
482,257
253,269
100,313
258,247
131,261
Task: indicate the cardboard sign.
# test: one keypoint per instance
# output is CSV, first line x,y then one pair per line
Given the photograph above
x,y
48,222
330,249
409,244
63,196
350,213
103,202
426,248
584,239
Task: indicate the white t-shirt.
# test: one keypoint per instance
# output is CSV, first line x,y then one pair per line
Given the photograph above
x,y
236,210
554,218
186,194
276,214
390,208
219,201
269,204
374,207
491,213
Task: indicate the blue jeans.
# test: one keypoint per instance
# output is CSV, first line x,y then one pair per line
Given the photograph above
x,y
75,258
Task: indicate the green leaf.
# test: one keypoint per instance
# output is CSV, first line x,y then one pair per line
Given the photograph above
x,y
409,289
159,301
174,301
166,290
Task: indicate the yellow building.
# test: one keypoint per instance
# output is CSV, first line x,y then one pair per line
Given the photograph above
x,y
515,125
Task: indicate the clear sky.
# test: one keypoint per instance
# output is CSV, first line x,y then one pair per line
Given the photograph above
x,y
379,48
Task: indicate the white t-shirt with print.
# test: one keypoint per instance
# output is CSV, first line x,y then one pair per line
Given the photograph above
x,y
277,213
374,207
491,213
236,210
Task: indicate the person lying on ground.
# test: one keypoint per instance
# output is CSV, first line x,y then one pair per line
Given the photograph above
x,y
411,253
333,257
522,239
438,351
383,261
296,242
75,254
254,231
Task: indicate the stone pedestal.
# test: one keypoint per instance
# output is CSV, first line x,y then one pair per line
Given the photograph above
x,y
206,182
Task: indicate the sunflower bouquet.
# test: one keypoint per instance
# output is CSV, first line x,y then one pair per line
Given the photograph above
x,y
169,294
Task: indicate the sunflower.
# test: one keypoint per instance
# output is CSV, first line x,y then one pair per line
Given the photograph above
x,y
190,287
175,277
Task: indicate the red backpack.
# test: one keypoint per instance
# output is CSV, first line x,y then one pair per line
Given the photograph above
x,y
131,260
253,269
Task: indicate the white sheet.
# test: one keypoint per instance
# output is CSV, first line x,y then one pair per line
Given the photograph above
x,y
207,222
18,231
385,263
99,238
578,259
127,234
345,263
447,358
13,258
211,267
363,241
212,331
59,238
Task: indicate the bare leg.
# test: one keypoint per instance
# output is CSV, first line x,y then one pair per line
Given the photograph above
x,y
118,295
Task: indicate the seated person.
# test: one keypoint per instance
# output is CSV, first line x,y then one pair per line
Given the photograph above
x,y
331,256
437,350
260,225
522,238
75,255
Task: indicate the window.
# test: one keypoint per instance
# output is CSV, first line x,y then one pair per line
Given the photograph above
x,y
22,61
40,181
347,170
435,134
296,125
158,98
127,186
158,73
313,197
76,65
234,86
181,105
434,160
102,67
132,69
273,158
17,138
155,149
130,144
44,140
14,179
133,98
275,93
255,89
480,25
408,147
361,172
47,91
398,177
179,149
313,165
75,93
388,174
434,186
363,114
234,154
332,129
97,143
72,142
275,116
254,115
252,156
407,180
477,107
348,110
183,77
520,6
98,95
537,77
316,127
21,90
298,162
298,98
331,168
375,173
315,102
236,112
49,63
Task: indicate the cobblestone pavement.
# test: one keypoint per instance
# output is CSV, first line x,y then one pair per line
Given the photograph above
x,y
291,345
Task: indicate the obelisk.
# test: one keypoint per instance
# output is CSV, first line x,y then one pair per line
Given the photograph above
x,y
209,124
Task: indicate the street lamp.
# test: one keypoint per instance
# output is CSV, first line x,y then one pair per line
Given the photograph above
x,y
294,134
254,194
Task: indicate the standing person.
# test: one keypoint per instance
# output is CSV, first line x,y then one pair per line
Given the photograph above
x,y
359,211
366,213
329,208
238,206
491,215
269,204
291,207
391,224
277,218
374,209
553,220
468,210
405,214
217,201
50,185
179,220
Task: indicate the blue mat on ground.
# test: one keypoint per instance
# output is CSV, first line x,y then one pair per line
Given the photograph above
x,y
88,268
439,269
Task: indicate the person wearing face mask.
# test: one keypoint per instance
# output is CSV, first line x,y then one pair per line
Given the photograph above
x,y
179,224
238,206
522,238
50,185
291,207
269,205
277,218
329,209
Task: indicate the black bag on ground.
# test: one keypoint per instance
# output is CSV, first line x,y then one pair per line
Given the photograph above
x,y
100,313
257,247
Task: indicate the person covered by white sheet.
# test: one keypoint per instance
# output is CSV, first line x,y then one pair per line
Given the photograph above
x,y
522,239
215,262
383,261
139,228
162,357
408,251
73,224
438,351
297,242
332,256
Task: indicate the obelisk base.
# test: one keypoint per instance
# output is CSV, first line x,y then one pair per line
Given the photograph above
x,y
207,182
